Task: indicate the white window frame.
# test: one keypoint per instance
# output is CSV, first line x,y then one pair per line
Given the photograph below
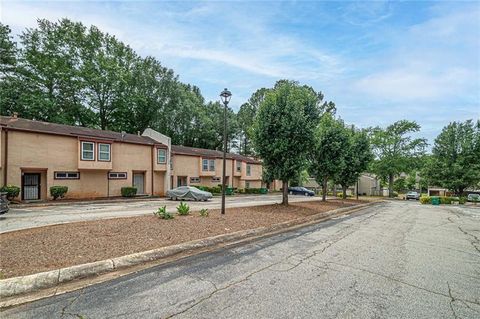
x,y
247,184
83,150
194,180
239,166
216,179
249,170
159,150
103,152
211,165
68,175
205,164
117,175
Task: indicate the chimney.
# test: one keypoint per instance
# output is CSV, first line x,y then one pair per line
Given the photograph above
x,y
138,133
123,134
15,115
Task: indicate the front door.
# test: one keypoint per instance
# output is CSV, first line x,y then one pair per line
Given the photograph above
x,y
181,181
139,182
31,186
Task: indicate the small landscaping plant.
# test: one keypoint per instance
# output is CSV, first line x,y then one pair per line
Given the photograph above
x,y
204,212
128,191
425,200
11,190
58,191
183,209
163,214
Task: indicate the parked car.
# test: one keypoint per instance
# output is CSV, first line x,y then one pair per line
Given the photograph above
x,y
188,192
473,198
3,203
412,195
300,191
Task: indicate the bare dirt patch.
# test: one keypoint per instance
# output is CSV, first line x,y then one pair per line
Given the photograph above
x,y
51,247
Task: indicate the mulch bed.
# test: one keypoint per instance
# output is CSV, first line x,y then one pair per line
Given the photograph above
x,y
46,248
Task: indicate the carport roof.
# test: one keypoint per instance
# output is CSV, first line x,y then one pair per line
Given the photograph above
x,y
203,152
21,124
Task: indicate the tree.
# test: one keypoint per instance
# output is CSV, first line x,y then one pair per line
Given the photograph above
x,y
328,153
411,181
455,160
399,185
356,157
246,116
395,151
8,64
283,130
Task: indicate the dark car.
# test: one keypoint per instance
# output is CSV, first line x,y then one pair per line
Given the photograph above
x,y
412,195
300,191
3,203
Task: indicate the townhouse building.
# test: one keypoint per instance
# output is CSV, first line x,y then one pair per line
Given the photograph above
x,y
93,163
36,155
203,167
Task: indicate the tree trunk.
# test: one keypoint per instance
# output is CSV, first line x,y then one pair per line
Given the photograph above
x,y
390,185
285,192
324,189
344,190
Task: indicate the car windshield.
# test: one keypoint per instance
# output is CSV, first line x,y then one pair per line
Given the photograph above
x,y
412,193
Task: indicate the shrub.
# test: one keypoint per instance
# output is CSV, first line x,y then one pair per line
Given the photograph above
x,y
162,213
58,191
11,190
204,212
213,190
128,191
462,200
425,199
255,191
445,200
183,209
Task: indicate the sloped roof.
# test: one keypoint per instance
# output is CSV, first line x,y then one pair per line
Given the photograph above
x,y
203,152
21,124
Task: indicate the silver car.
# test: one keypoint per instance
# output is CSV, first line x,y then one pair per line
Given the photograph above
x,y
188,192
412,195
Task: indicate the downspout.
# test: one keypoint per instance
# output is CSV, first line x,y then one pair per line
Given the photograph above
x,y
233,172
5,173
152,164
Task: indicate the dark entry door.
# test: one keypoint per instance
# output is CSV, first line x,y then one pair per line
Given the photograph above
x,y
31,186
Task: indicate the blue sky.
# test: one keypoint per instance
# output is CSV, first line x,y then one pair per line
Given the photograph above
x,y
379,61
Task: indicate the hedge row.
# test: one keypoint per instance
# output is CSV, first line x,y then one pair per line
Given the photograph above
x,y
444,200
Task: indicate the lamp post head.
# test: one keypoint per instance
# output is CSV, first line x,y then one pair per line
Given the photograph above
x,y
226,95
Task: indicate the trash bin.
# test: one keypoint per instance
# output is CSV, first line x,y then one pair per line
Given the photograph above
x,y
435,200
263,190
229,191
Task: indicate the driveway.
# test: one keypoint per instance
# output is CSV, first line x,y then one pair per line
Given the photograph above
x,y
394,260
22,218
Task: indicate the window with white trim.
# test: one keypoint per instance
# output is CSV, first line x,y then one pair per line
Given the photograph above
x,y
104,152
204,165
117,175
211,165
249,170
161,156
194,180
216,179
239,166
247,184
66,175
88,151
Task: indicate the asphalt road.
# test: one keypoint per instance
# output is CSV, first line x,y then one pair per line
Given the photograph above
x,y
394,260
21,218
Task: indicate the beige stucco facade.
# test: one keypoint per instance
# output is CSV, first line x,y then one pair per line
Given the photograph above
x,y
188,170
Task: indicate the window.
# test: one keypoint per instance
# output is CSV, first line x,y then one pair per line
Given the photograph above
x,y
161,156
104,152
194,180
66,175
249,170
215,179
211,165
239,166
88,151
204,164
117,175
247,184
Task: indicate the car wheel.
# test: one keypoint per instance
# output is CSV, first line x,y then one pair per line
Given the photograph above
x,y
306,194
291,193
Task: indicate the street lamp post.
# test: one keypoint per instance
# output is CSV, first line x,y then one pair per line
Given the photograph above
x,y
225,95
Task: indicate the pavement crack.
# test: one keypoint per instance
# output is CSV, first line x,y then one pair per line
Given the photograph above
x,y
452,300
475,242
64,309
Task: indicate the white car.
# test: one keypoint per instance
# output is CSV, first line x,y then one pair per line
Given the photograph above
x,y
412,195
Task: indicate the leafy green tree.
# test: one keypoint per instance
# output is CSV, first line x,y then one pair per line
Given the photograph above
x,y
455,160
8,64
246,116
328,152
399,185
283,130
395,150
356,157
411,181
300,179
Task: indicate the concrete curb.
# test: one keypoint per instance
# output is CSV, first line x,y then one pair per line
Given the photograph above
x,y
31,283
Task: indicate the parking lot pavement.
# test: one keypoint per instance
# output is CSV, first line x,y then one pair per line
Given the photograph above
x,y
22,218
395,260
